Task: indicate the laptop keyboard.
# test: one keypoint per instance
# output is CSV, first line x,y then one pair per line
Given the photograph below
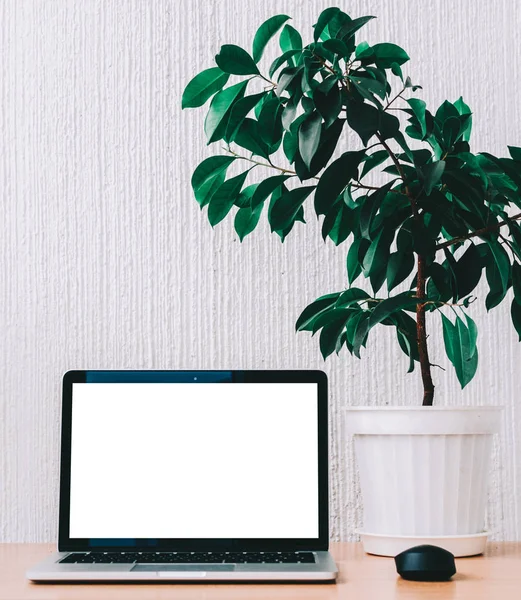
x,y
188,557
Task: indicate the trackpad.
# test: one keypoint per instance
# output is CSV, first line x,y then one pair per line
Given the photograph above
x,y
183,568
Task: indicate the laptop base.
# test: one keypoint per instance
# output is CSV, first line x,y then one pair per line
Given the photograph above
x,y
52,571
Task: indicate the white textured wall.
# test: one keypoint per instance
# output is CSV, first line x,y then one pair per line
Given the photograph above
x,y
107,262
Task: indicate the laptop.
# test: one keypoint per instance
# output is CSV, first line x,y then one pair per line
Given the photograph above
x,y
192,476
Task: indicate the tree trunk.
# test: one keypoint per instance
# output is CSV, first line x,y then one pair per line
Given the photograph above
x,y
421,336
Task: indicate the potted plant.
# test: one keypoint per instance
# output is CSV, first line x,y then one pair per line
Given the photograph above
x,y
423,238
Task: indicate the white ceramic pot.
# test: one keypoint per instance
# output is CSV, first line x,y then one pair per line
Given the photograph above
x,y
423,474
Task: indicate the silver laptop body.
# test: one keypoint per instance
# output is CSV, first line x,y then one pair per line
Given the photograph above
x,y
192,476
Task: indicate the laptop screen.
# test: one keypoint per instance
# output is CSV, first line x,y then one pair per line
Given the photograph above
x,y
200,457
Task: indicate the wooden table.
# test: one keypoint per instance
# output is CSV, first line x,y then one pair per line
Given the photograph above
x,y
495,575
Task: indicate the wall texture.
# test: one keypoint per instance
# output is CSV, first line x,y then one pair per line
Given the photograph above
x,y
107,262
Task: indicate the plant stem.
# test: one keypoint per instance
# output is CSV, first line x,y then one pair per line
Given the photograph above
x,y
478,232
421,336
421,331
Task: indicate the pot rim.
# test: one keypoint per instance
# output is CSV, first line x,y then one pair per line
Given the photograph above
x,y
420,537
422,408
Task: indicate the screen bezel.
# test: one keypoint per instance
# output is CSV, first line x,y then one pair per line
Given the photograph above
x,y
66,543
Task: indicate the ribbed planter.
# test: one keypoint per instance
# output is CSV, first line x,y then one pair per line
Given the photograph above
x,y
423,475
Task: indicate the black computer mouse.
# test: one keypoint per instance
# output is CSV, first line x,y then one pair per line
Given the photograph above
x,y
425,563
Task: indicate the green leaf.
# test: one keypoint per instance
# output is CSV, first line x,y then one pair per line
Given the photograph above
x,y
286,78
246,220
264,34
328,104
328,316
338,223
406,346
389,126
219,111
207,190
224,198
516,281
464,109
205,175
289,145
397,70
361,332
399,267
515,153
473,335
353,262
266,187
387,307
352,326
370,206
309,314
419,109
239,112
387,54
348,30
460,348
515,313
364,119
445,111
406,334
451,131
367,86
290,39
449,334
236,61
288,115
309,137
373,160
324,18
203,86
334,180
351,296
498,274
244,198
332,331
468,271
328,143
377,254
286,208
285,58
248,136
400,140
363,49
337,47
432,174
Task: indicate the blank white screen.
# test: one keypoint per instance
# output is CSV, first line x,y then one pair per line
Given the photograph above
x,y
183,460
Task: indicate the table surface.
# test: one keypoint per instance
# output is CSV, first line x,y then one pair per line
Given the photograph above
x,y
497,574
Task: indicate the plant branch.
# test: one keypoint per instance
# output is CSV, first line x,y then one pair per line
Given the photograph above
x,y
260,164
361,186
268,80
330,69
439,366
395,98
515,253
478,232
439,303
